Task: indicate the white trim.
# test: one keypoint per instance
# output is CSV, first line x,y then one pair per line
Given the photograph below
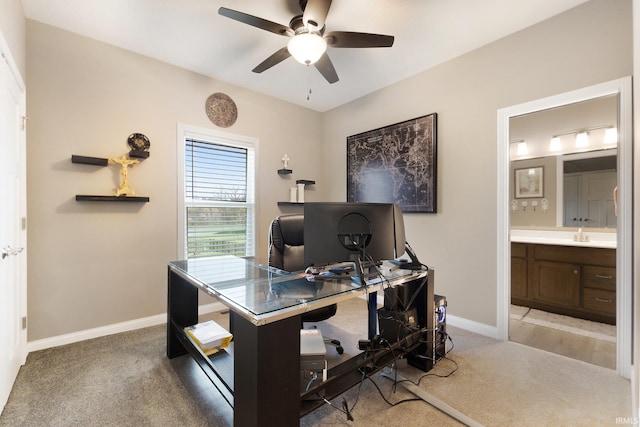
x,y
473,326
624,254
13,67
116,328
159,319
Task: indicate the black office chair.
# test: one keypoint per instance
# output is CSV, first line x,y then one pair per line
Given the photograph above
x,y
286,252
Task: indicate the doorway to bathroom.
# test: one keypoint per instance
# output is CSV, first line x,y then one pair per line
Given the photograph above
x,y
551,282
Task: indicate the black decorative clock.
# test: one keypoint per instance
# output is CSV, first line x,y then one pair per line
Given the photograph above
x,y
139,145
221,110
138,141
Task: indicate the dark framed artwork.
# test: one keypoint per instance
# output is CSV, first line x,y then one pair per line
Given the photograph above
x,y
395,164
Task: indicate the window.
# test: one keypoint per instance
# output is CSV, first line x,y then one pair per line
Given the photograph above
x,y
216,193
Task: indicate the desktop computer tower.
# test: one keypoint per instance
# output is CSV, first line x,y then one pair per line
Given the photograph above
x,y
428,354
440,326
412,306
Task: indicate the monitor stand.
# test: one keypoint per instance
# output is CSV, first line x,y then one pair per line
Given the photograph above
x,y
414,264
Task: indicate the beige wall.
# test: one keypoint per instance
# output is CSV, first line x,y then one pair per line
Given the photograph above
x,y
95,264
12,28
587,45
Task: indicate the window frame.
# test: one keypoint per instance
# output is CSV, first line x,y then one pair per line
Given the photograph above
x,y
185,132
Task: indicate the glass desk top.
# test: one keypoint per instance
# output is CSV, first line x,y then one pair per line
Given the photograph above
x,y
264,294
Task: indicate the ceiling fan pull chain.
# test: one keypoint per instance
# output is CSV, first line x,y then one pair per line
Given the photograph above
x,y
308,84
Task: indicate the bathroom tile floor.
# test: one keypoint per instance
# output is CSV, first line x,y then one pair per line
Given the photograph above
x,y
591,350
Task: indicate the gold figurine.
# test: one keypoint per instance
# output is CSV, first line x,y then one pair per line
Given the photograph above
x,y
124,162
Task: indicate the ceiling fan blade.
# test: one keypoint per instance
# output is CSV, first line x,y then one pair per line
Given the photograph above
x,y
325,66
315,13
274,59
254,21
351,39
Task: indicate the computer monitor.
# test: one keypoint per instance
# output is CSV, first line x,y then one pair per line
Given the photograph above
x,y
337,232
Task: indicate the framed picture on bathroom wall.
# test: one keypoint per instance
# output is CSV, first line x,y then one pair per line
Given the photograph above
x,y
529,182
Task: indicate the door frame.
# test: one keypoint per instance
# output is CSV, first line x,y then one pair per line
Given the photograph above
x,y
21,309
624,255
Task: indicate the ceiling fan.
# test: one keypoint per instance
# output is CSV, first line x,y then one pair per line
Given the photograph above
x,y
308,41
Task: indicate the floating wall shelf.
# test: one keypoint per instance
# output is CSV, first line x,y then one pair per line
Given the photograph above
x,y
139,154
83,198
97,161
285,171
290,204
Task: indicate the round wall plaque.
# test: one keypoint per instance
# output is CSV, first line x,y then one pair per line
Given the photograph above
x,y
138,141
221,110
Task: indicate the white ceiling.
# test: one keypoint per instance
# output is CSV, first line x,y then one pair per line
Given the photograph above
x,y
191,35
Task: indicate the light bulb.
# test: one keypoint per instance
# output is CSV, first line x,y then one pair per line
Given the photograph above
x,y
522,148
611,136
582,139
555,144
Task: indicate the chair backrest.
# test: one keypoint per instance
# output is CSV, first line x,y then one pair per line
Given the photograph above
x,y
286,243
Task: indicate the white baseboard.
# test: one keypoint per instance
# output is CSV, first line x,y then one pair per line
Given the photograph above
x,y
116,328
87,334
472,326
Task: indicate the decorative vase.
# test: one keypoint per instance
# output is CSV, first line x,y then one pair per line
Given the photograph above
x,y
300,193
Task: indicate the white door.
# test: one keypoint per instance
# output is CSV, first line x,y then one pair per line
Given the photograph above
x,y
588,199
12,225
597,198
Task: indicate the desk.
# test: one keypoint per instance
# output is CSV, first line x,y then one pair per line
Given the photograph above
x,y
259,374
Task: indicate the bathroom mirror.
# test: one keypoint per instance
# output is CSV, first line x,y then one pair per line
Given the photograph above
x,y
565,161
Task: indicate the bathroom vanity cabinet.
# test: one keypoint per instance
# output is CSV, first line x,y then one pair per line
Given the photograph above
x,y
570,280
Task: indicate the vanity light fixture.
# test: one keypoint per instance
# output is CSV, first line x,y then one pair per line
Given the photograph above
x,y
522,148
555,144
582,139
307,48
611,135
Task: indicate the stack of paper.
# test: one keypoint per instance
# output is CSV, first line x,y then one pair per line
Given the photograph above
x,y
209,336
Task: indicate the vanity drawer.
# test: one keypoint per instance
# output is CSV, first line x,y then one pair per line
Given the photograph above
x,y
599,277
599,300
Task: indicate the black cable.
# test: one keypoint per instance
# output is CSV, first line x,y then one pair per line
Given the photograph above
x,y
433,374
413,399
345,407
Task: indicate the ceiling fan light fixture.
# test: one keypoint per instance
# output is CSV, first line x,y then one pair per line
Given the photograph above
x,y
307,48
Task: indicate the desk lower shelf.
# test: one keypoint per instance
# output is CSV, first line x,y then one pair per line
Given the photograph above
x,y
220,370
218,367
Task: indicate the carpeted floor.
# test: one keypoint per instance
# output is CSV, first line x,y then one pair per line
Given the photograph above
x,y
127,380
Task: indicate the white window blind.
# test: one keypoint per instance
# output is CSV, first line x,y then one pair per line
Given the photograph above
x,y
218,198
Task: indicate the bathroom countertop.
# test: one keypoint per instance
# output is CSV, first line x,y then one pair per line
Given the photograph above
x,y
565,238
